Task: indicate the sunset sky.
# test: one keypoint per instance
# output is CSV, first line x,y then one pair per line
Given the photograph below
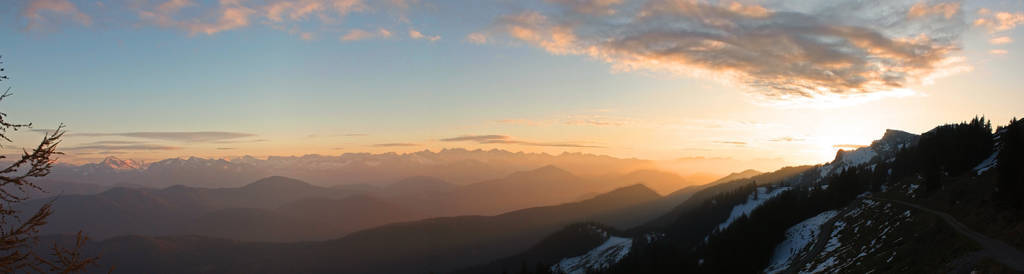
x,y
658,79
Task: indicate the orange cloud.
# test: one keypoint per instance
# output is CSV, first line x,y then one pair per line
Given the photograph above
x,y
415,34
233,14
1001,40
998,21
38,12
947,10
395,145
477,38
358,34
503,139
535,28
780,55
597,7
848,146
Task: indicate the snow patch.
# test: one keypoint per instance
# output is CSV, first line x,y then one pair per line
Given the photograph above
x,y
599,258
753,202
912,188
848,159
987,163
821,267
797,238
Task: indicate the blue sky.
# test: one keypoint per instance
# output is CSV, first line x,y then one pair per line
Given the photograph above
x,y
296,85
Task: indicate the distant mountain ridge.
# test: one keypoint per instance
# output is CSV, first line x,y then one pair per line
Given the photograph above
x,y
439,244
278,208
459,166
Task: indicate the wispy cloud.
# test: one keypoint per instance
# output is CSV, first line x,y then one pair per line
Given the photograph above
x,y
503,139
113,142
831,49
415,34
997,21
705,124
318,135
395,145
998,52
574,120
922,9
230,14
596,120
477,38
787,139
125,147
177,136
476,138
522,122
739,143
1001,40
359,34
848,146
42,13
293,16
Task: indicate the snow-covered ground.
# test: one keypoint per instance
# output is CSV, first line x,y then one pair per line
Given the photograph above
x,y
988,163
849,159
849,245
601,257
993,159
753,202
797,238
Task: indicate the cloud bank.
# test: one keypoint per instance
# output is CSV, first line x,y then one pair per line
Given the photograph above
x,y
42,13
778,50
503,139
116,147
180,136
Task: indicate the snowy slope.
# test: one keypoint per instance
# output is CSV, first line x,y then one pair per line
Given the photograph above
x,y
601,257
885,148
752,203
868,230
993,159
797,238
847,159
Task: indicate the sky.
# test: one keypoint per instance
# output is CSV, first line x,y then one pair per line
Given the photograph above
x,y
785,81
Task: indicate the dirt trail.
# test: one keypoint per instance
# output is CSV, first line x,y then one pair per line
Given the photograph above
x,y
996,249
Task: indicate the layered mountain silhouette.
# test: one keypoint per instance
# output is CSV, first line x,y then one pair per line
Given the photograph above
x,y
281,209
439,244
458,166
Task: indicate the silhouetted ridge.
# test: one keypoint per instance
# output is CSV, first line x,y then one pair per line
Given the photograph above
x,y
737,176
548,171
422,182
637,192
277,182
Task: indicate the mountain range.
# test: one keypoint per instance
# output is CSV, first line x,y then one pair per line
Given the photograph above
x,y
943,201
281,209
458,166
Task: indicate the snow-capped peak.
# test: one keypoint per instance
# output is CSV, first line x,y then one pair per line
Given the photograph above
x,y
886,147
118,164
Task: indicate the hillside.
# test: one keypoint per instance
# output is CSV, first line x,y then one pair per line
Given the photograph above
x,y
937,202
440,244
